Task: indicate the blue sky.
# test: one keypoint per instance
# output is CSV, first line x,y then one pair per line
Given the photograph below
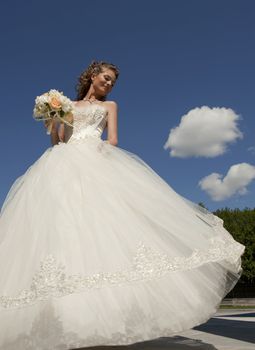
x,y
175,56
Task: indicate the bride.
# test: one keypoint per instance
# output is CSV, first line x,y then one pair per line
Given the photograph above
x,y
97,249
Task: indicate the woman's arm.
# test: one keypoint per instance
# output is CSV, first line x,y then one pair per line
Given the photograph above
x,y
112,127
54,135
61,132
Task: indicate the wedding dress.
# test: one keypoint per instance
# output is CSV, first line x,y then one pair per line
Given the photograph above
x,y
97,249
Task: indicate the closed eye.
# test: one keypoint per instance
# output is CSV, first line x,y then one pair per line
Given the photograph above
x,y
107,77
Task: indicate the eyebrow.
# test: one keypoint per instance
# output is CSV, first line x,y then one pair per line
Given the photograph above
x,y
110,77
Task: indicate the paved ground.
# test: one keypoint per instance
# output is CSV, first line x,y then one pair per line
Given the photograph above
x,y
228,330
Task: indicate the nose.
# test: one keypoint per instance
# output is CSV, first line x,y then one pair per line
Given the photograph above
x,y
109,84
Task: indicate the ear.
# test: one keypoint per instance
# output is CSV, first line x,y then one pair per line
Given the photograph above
x,y
93,76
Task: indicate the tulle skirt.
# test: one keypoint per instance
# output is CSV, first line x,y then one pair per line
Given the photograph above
x,y
97,249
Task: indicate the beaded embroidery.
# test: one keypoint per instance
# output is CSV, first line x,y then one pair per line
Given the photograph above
x,y
51,279
88,122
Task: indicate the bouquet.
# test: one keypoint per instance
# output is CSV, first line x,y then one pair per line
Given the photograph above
x,y
51,106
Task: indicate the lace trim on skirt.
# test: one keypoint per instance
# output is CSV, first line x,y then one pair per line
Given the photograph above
x,y
51,280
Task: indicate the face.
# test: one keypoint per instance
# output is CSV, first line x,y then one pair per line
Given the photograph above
x,y
104,82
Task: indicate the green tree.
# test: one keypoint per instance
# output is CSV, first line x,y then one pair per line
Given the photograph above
x,y
241,225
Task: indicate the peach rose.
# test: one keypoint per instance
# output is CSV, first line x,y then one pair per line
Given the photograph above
x,y
55,103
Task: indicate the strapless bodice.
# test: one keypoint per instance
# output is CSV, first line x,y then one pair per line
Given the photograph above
x,y
88,121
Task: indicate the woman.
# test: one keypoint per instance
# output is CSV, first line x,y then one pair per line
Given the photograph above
x,y
97,249
94,84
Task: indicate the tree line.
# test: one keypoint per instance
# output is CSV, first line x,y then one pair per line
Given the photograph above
x,y
241,225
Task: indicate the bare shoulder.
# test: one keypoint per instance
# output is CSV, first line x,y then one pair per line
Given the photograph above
x,y
111,106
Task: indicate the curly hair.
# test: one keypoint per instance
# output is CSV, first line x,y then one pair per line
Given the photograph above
x,y
84,80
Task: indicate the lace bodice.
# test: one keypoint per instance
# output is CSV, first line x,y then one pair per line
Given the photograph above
x,y
88,121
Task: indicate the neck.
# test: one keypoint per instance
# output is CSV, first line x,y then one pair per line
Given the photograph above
x,y
91,95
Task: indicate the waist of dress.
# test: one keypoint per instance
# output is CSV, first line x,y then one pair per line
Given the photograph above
x,y
82,138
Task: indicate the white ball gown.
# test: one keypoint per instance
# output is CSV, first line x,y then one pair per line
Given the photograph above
x,y
97,249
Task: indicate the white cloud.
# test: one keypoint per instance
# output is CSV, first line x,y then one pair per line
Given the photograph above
x,y
238,177
204,132
251,149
